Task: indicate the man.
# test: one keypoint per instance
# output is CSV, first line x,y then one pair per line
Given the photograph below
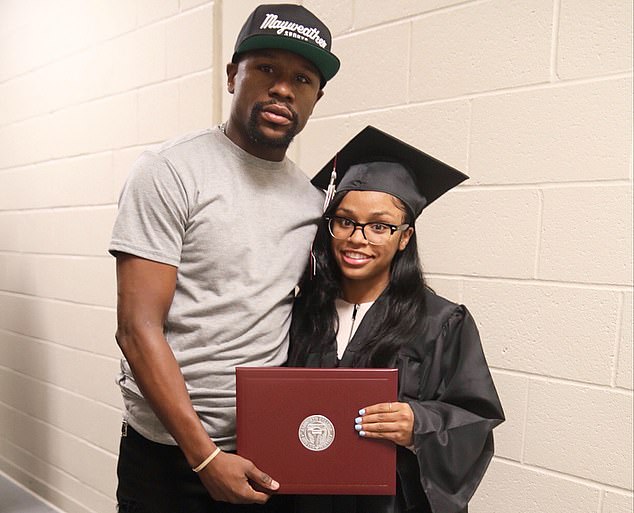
x,y
212,235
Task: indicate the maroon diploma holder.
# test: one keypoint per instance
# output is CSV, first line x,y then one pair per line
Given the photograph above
x,y
297,425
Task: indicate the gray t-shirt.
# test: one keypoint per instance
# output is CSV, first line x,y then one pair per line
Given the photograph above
x,y
238,228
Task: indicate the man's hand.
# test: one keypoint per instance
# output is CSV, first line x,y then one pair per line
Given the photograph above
x,y
231,478
389,421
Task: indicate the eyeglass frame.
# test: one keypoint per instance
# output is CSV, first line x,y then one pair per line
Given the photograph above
x,y
393,228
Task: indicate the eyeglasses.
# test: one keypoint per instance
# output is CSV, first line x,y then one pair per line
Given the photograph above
x,y
377,234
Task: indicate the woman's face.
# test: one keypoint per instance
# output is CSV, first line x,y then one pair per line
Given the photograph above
x,y
366,266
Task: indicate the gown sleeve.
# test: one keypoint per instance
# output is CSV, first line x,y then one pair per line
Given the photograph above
x,y
455,411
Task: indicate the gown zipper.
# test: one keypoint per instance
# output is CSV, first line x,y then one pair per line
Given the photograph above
x,y
354,316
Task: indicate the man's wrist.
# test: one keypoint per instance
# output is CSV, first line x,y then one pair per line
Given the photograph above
x,y
207,460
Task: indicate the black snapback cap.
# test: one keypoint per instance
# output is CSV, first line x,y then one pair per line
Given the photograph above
x,y
377,161
289,27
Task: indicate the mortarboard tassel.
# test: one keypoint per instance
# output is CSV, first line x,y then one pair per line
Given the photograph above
x,y
331,190
330,193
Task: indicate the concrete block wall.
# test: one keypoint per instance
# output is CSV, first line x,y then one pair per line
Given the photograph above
x,y
532,99
84,87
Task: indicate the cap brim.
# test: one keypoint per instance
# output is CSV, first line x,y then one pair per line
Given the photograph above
x,y
433,178
327,63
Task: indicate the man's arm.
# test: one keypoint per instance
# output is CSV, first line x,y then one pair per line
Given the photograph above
x,y
144,294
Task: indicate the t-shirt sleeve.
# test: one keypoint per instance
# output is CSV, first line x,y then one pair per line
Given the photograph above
x,y
153,212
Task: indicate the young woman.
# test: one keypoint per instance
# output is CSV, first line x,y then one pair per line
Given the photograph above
x,y
364,303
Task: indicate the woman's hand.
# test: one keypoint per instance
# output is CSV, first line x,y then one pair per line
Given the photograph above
x,y
389,421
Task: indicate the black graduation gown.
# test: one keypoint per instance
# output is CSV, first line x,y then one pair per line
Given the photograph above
x,y
444,377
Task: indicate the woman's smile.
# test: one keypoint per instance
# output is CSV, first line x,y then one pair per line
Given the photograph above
x,y
356,258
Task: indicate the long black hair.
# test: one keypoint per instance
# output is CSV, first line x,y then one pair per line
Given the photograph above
x,y
315,321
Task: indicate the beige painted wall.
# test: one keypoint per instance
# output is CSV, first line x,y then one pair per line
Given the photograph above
x,y
532,98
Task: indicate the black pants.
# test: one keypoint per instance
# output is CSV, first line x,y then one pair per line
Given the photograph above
x,y
156,478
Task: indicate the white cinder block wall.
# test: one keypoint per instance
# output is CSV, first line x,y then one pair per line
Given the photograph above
x,y
532,98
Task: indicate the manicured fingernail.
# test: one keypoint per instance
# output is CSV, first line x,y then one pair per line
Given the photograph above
x,y
358,427
274,484
358,420
361,433
362,411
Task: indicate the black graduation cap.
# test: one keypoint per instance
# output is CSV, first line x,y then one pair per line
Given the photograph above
x,y
376,161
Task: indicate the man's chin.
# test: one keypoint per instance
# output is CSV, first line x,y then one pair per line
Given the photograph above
x,y
272,138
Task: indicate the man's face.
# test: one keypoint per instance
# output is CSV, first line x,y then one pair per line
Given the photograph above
x,y
275,92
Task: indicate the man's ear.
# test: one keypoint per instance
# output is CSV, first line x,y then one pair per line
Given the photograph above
x,y
232,70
